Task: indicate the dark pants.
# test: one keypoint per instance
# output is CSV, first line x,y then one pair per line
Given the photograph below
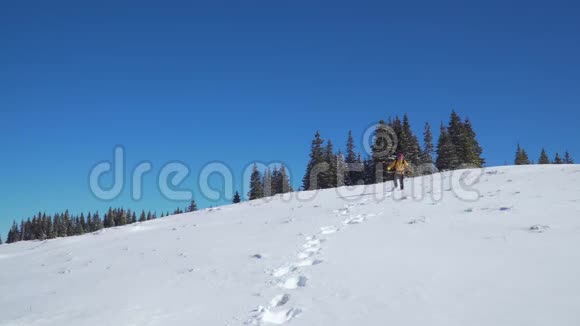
x,y
400,178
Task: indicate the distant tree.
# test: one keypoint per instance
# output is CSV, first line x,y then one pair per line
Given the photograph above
x,y
13,234
316,164
256,190
285,185
408,143
544,159
83,226
142,217
521,156
568,159
328,177
133,218
276,181
0,239
50,233
463,138
98,222
475,156
237,198
351,160
192,206
110,218
341,170
429,150
122,217
150,216
267,183
446,156
370,171
382,149
558,159
23,231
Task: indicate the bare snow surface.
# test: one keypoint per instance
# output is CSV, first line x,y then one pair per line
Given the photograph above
x,y
510,255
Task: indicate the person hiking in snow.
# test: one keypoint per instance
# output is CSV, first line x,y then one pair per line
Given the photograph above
x,y
401,167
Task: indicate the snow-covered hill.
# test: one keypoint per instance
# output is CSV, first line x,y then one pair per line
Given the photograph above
x,y
504,252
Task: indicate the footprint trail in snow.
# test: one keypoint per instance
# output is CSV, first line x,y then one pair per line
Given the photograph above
x,y
289,277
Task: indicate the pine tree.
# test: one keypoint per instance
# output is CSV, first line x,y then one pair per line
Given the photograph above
x,y
455,129
285,186
328,178
13,234
341,170
558,159
99,225
521,156
446,156
0,239
50,232
133,218
544,159
568,159
142,217
369,171
276,181
237,198
110,218
463,137
316,163
192,206
256,190
267,185
357,171
351,160
381,150
474,156
429,150
83,224
23,232
408,143
122,218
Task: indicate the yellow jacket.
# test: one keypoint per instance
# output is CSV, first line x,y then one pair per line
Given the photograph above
x,y
400,166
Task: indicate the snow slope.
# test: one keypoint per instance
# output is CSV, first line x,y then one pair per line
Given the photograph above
x,y
503,251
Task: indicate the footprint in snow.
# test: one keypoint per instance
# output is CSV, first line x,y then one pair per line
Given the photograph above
x,y
294,282
308,262
419,220
279,317
64,271
279,300
312,250
312,243
328,230
538,228
281,271
354,220
304,255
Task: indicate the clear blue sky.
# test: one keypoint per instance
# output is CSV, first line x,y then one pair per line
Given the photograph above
x,y
253,80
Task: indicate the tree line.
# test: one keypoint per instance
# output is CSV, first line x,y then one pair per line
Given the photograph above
x,y
272,182
523,159
43,226
457,147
